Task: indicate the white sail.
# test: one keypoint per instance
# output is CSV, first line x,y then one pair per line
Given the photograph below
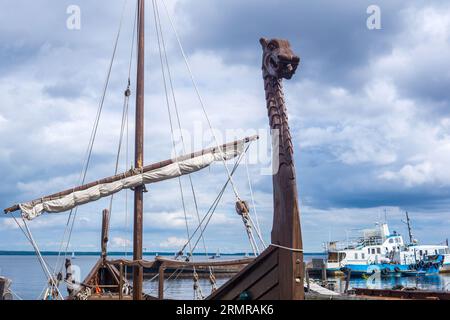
x,y
31,210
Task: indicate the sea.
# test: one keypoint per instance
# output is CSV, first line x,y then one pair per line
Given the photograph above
x,y
29,280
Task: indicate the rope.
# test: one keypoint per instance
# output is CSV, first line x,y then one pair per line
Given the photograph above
x,y
246,219
175,104
257,226
91,141
286,248
122,130
127,226
210,210
41,259
198,294
257,231
159,35
201,99
126,102
15,294
204,111
219,197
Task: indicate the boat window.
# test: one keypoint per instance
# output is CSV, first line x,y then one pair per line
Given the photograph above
x,y
368,250
396,240
332,257
378,250
363,256
391,240
356,256
373,251
420,252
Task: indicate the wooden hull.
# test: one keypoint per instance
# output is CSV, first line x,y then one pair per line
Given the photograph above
x,y
262,279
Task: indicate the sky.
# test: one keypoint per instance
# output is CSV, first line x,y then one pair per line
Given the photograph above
x,y
369,112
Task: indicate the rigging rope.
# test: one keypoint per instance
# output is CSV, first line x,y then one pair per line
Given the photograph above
x,y
286,248
73,213
162,45
127,226
251,237
41,259
200,99
122,129
158,34
258,233
248,228
197,288
124,122
257,226
213,207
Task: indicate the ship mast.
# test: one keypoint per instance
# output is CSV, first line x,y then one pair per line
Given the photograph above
x,y
139,154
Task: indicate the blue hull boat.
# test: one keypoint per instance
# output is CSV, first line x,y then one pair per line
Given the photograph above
x,y
422,268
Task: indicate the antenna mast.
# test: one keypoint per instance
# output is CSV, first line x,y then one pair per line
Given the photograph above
x,y
408,222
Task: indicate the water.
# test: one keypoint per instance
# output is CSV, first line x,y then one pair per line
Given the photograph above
x,y
439,282
29,280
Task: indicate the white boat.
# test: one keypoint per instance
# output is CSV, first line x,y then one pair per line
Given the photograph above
x,y
379,247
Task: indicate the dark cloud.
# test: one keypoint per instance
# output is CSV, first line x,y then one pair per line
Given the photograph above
x,y
330,36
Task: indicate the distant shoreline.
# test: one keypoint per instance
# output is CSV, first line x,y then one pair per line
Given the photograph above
x,y
112,253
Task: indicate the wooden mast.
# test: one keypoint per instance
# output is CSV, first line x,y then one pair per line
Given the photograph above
x,y
139,154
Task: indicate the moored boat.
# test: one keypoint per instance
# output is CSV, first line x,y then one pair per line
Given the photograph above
x,y
379,250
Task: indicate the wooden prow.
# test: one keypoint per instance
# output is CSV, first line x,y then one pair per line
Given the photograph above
x,y
278,272
286,218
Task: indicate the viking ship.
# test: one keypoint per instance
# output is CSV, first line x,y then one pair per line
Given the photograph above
x,y
276,271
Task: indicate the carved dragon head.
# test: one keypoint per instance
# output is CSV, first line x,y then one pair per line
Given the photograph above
x,y
279,60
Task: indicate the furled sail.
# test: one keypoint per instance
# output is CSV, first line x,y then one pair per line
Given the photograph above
x,y
166,170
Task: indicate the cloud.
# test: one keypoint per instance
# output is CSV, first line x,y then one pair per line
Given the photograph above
x,y
428,169
121,242
173,243
8,224
368,111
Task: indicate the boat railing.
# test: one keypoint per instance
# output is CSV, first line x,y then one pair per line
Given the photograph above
x,y
343,246
372,241
355,244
